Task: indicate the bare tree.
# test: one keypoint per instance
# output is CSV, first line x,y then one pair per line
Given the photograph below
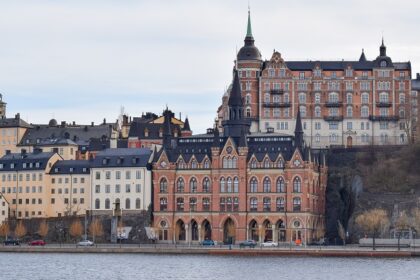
x,y
20,230
95,229
4,229
43,229
402,223
373,221
416,220
341,232
76,229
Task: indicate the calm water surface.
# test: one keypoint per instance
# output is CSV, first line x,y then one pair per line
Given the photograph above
x,y
139,266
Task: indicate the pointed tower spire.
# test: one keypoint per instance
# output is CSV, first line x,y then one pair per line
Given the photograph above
x,y
167,135
298,132
235,98
249,29
362,56
186,125
382,48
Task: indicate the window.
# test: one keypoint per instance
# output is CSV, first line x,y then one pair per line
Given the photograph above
x,y
253,204
280,186
333,97
333,112
194,164
364,111
107,204
206,204
206,164
107,188
333,138
317,73
193,204
127,203
302,98
235,184
229,185
317,112
117,188
180,185
138,174
206,185
333,125
163,186
222,204
193,185
296,204
180,204
302,75
383,97
253,185
127,175
97,189
267,185
97,203
267,204
280,163
163,204
402,98
317,126
297,185
303,111
349,112
138,203
280,204
222,185
349,125
349,72
97,175
383,112
127,188
108,175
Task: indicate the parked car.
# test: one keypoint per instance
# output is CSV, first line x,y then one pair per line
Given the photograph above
x,y
248,243
14,242
85,243
269,244
208,242
37,243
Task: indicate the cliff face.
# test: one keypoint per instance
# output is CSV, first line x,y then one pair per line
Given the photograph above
x,y
364,178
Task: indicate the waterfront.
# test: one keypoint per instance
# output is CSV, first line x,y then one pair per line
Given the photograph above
x,y
150,266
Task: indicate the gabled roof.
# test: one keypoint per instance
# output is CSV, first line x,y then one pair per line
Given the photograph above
x,y
25,161
13,122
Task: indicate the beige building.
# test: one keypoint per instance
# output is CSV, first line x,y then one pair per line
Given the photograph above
x,y
4,209
121,176
24,181
69,185
11,133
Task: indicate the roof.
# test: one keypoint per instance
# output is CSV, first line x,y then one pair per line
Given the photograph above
x,y
235,98
70,167
138,129
74,133
56,142
13,122
122,157
25,161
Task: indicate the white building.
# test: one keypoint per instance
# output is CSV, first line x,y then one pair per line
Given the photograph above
x,y
4,209
121,176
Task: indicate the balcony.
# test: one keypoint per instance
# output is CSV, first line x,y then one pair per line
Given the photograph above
x,y
384,118
277,91
383,104
331,104
276,105
333,118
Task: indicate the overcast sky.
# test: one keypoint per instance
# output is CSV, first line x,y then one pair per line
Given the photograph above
x,y
82,60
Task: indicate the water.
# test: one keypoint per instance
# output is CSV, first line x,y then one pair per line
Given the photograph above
x,y
143,266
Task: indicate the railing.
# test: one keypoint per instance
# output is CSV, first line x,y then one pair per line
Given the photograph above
x,y
333,104
277,91
383,104
333,118
276,105
384,118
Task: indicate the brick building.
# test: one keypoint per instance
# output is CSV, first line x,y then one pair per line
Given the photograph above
x,y
342,103
238,185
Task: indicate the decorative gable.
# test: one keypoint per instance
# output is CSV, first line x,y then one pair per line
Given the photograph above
x,y
297,160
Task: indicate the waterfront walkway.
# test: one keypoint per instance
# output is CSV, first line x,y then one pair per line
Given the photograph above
x,y
310,251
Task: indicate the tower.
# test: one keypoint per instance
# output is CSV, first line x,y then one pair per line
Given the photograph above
x,y
299,142
2,107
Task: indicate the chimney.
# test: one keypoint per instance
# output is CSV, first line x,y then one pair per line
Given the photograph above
x,y
92,124
17,116
74,123
104,121
418,76
63,124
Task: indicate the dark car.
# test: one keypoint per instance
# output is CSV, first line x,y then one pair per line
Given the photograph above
x,y
207,242
248,243
37,243
13,242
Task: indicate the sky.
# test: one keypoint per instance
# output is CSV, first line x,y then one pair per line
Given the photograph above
x,y
82,60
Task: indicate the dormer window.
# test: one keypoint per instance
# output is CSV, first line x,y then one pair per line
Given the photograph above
x,y
84,169
56,170
104,161
12,166
161,133
71,169
37,164
1,165
134,160
146,133
24,165
383,63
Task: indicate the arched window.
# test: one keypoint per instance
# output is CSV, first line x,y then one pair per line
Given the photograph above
x,y
280,163
180,185
349,98
235,184
107,204
349,111
163,186
402,113
193,185
317,98
181,164
365,98
302,98
317,112
248,112
383,97
253,185
229,185
266,163
229,163
222,185
228,204
317,138
253,163
280,204
193,203
222,204
206,185
163,204
194,164
296,185
206,204
402,98
296,204
138,203
267,185
280,186
179,204
267,204
225,162
127,203
97,203
253,204
333,97
303,111
234,162
365,111
206,164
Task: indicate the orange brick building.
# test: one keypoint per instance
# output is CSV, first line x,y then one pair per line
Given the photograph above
x,y
238,185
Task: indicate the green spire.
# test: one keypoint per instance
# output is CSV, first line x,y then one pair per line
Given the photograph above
x,y
249,30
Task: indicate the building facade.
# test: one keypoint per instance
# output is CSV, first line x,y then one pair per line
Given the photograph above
x,y
11,133
415,93
121,177
237,186
342,103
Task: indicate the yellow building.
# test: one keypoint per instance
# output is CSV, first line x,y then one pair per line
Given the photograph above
x,y
23,181
69,186
11,133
